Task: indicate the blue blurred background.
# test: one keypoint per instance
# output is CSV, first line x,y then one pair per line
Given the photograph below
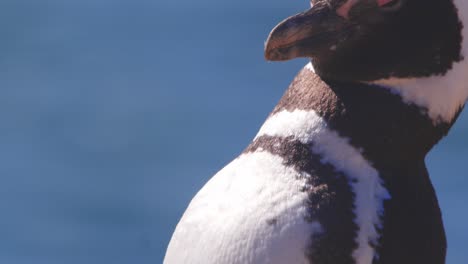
x,y
114,113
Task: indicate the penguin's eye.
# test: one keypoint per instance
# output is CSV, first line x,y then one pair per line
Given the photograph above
x,y
389,5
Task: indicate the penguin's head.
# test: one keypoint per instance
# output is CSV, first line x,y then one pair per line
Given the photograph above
x,y
366,40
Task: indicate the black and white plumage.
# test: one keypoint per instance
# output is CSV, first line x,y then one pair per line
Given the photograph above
x,y
336,175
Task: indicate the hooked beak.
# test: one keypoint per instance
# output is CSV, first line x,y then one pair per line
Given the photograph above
x,y
306,34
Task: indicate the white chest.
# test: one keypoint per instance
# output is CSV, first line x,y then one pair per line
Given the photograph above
x,y
252,211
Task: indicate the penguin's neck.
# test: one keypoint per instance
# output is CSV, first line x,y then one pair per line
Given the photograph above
x,y
388,131
378,142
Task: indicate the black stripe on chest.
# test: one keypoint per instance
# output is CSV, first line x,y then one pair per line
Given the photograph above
x,y
330,202
394,137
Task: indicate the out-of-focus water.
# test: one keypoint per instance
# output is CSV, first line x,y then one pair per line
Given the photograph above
x,y
114,113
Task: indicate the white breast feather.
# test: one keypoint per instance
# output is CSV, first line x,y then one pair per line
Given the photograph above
x,y
252,211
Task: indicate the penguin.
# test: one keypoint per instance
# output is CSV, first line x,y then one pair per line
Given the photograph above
x,y
337,173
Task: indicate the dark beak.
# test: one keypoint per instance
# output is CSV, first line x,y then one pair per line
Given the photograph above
x,y
306,34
